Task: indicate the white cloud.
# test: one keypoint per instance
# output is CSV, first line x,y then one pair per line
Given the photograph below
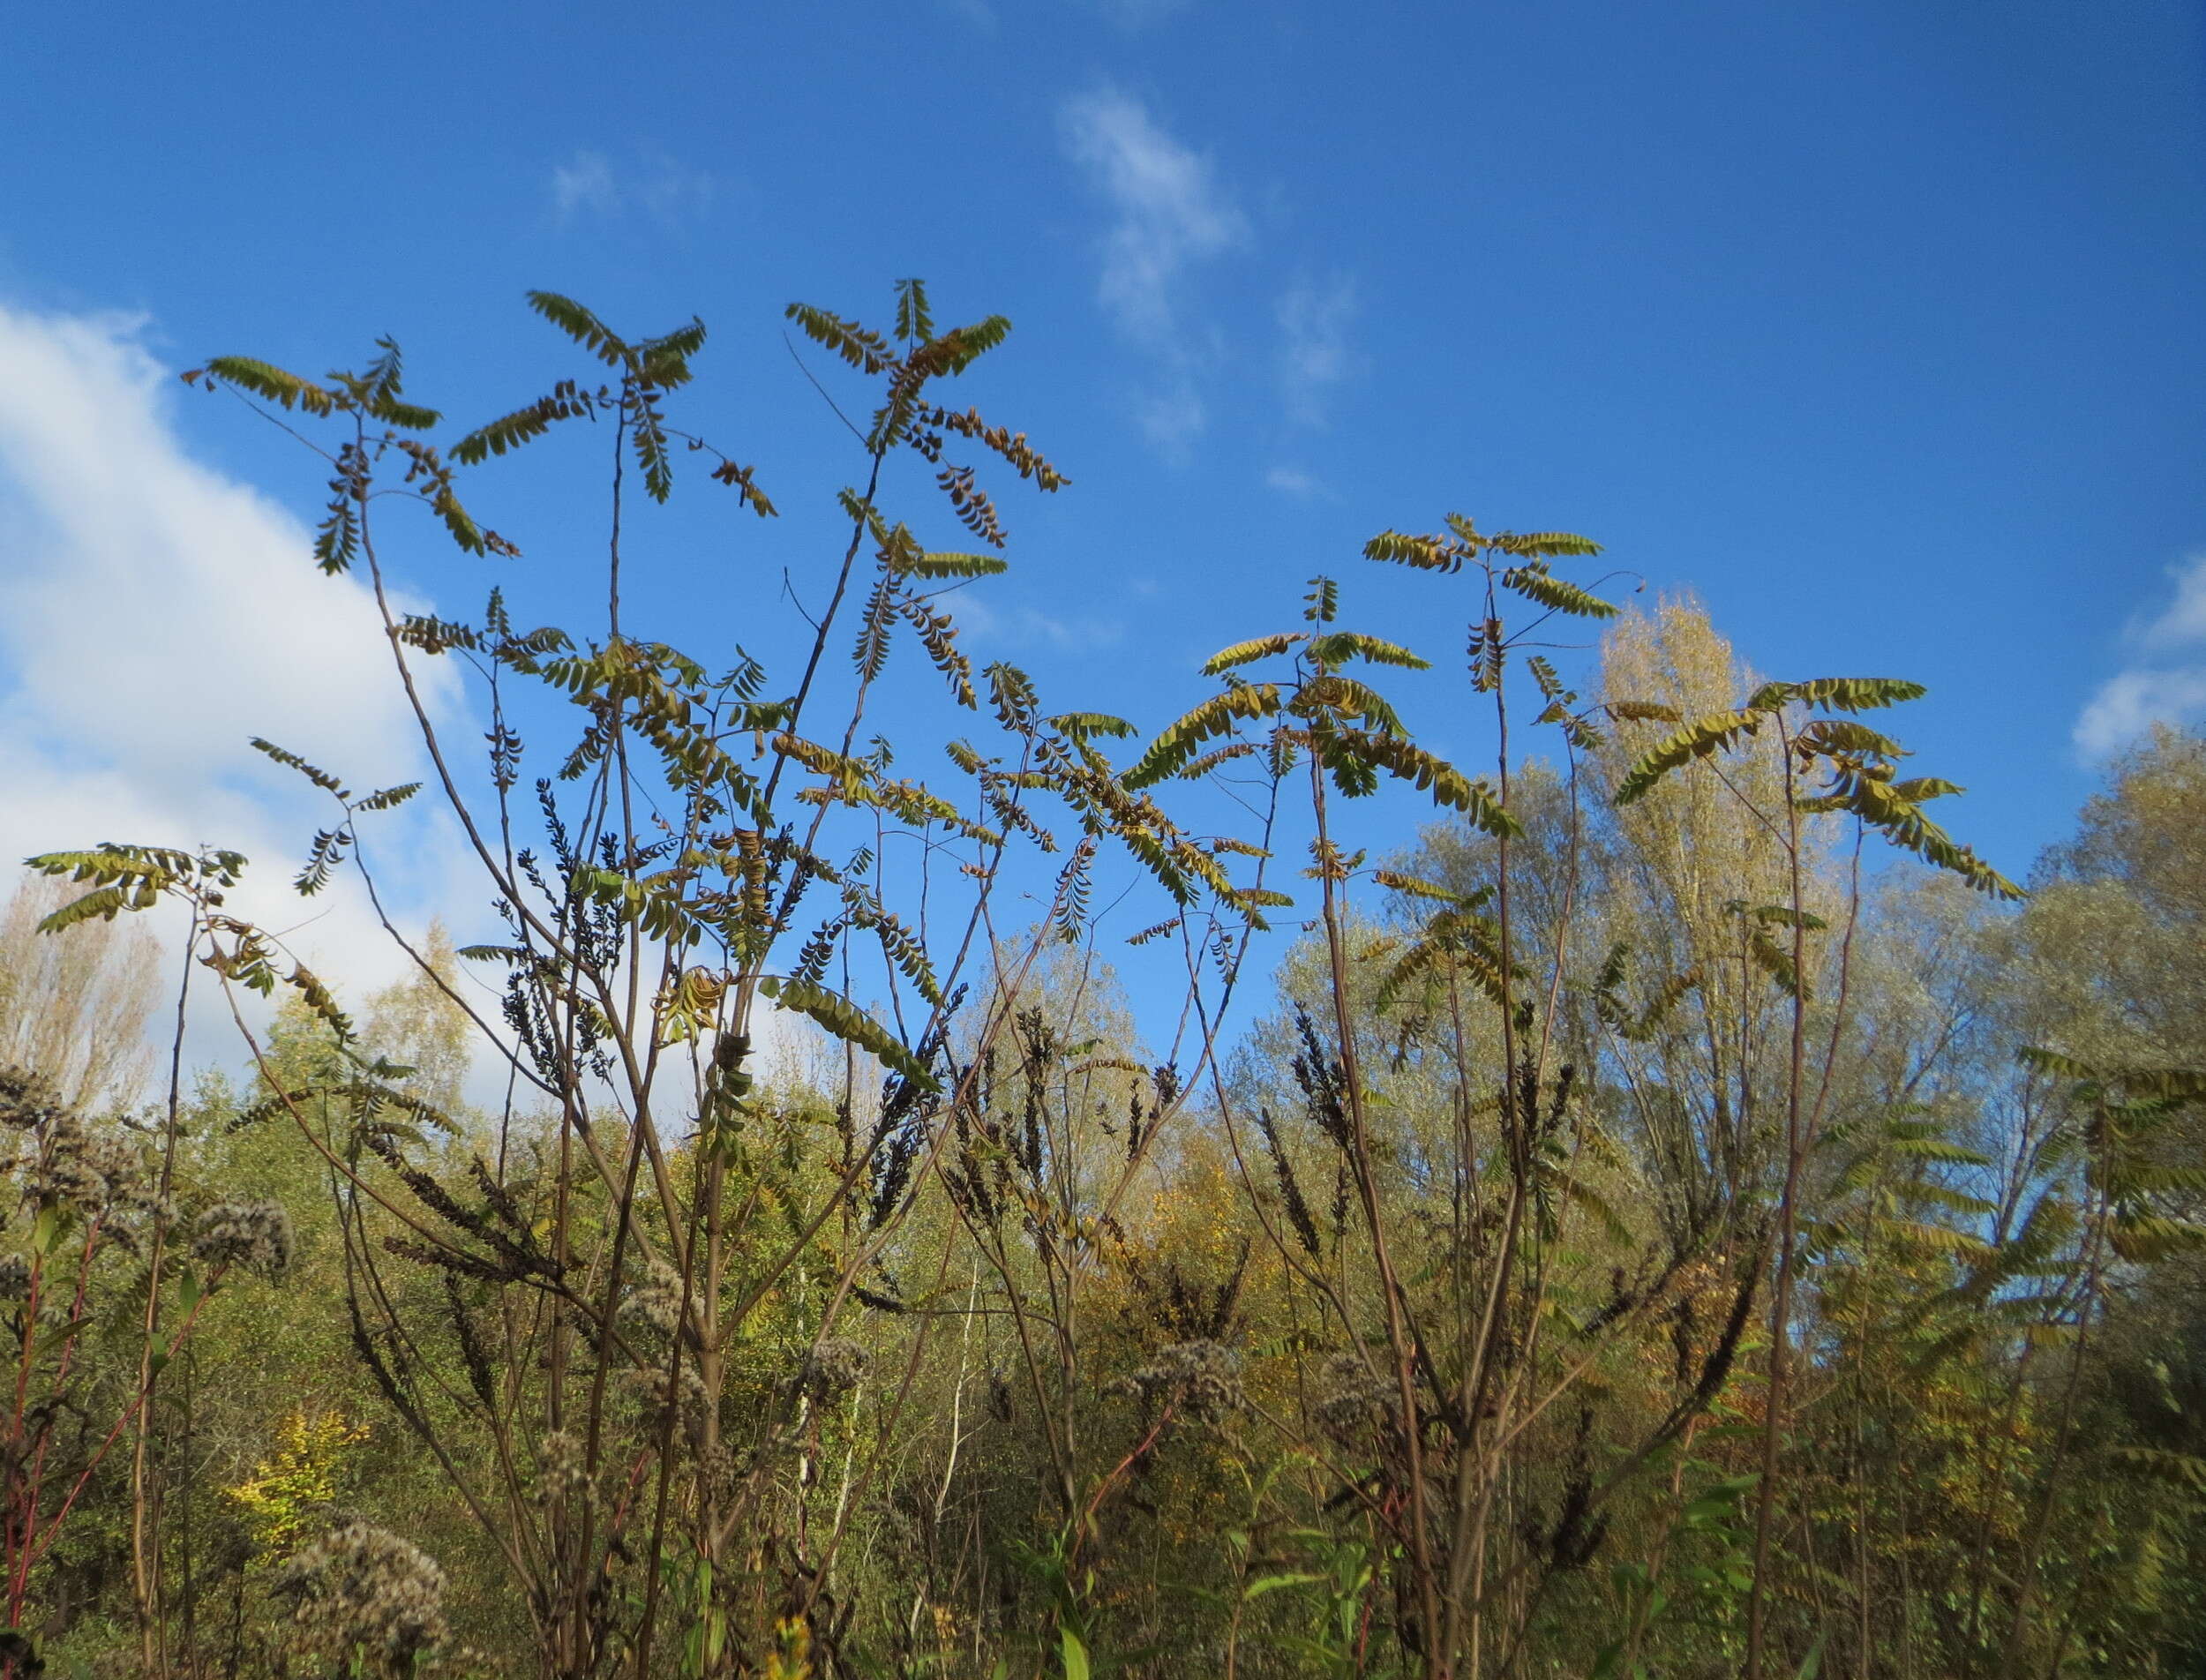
x,y
154,616
2183,625
1174,417
1026,626
1315,354
1293,481
665,189
1171,211
586,183
1170,214
1139,14
2167,689
2132,702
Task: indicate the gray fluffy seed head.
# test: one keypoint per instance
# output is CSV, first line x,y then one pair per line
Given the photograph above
x,y
563,1475
650,1384
255,1236
832,1368
70,1165
656,1300
1353,1401
360,1587
1204,1374
26,1099
101,1172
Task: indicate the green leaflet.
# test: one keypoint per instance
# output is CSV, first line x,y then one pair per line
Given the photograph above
x,y
581,325
1081,726
1716,733
1534,583
1406,760
566,401
846,1020
1880,805
1919,788
951,566
1346,697
864,349
130,878
1340,645
263,379
1175,746
1417,887
1426,553
321,778
915,323
1643,711
1835,693
1832,735
1243,652
1465,543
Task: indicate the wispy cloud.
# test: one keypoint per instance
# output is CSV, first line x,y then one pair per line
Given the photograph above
x,y
1314,353
154,616
1027,626
1139,14
1171,211
1293,481
586,183
1170,214
2166,680
1174,417
660,187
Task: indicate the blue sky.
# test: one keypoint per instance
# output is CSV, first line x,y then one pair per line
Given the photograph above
x,y
1878,324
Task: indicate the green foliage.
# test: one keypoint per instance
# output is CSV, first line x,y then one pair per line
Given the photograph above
x,y
848,1022
1176,746
1535,583
135,878
1622,1241
1858,761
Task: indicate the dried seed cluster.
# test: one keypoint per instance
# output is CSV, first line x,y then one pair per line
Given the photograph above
x,y
27,1102
64,1163
1353,1401
650,1387
831,1367
656,1300
253,1236
1204,1375
563,1475
362,1589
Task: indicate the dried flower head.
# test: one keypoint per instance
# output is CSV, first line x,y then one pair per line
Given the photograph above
x,y
1205,1376
97,1173
563,1473
256,1235
1353,1401
362,1589
650,1385
656,1300
718,1469
27,1100
831,1367
122,1167
66,1173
